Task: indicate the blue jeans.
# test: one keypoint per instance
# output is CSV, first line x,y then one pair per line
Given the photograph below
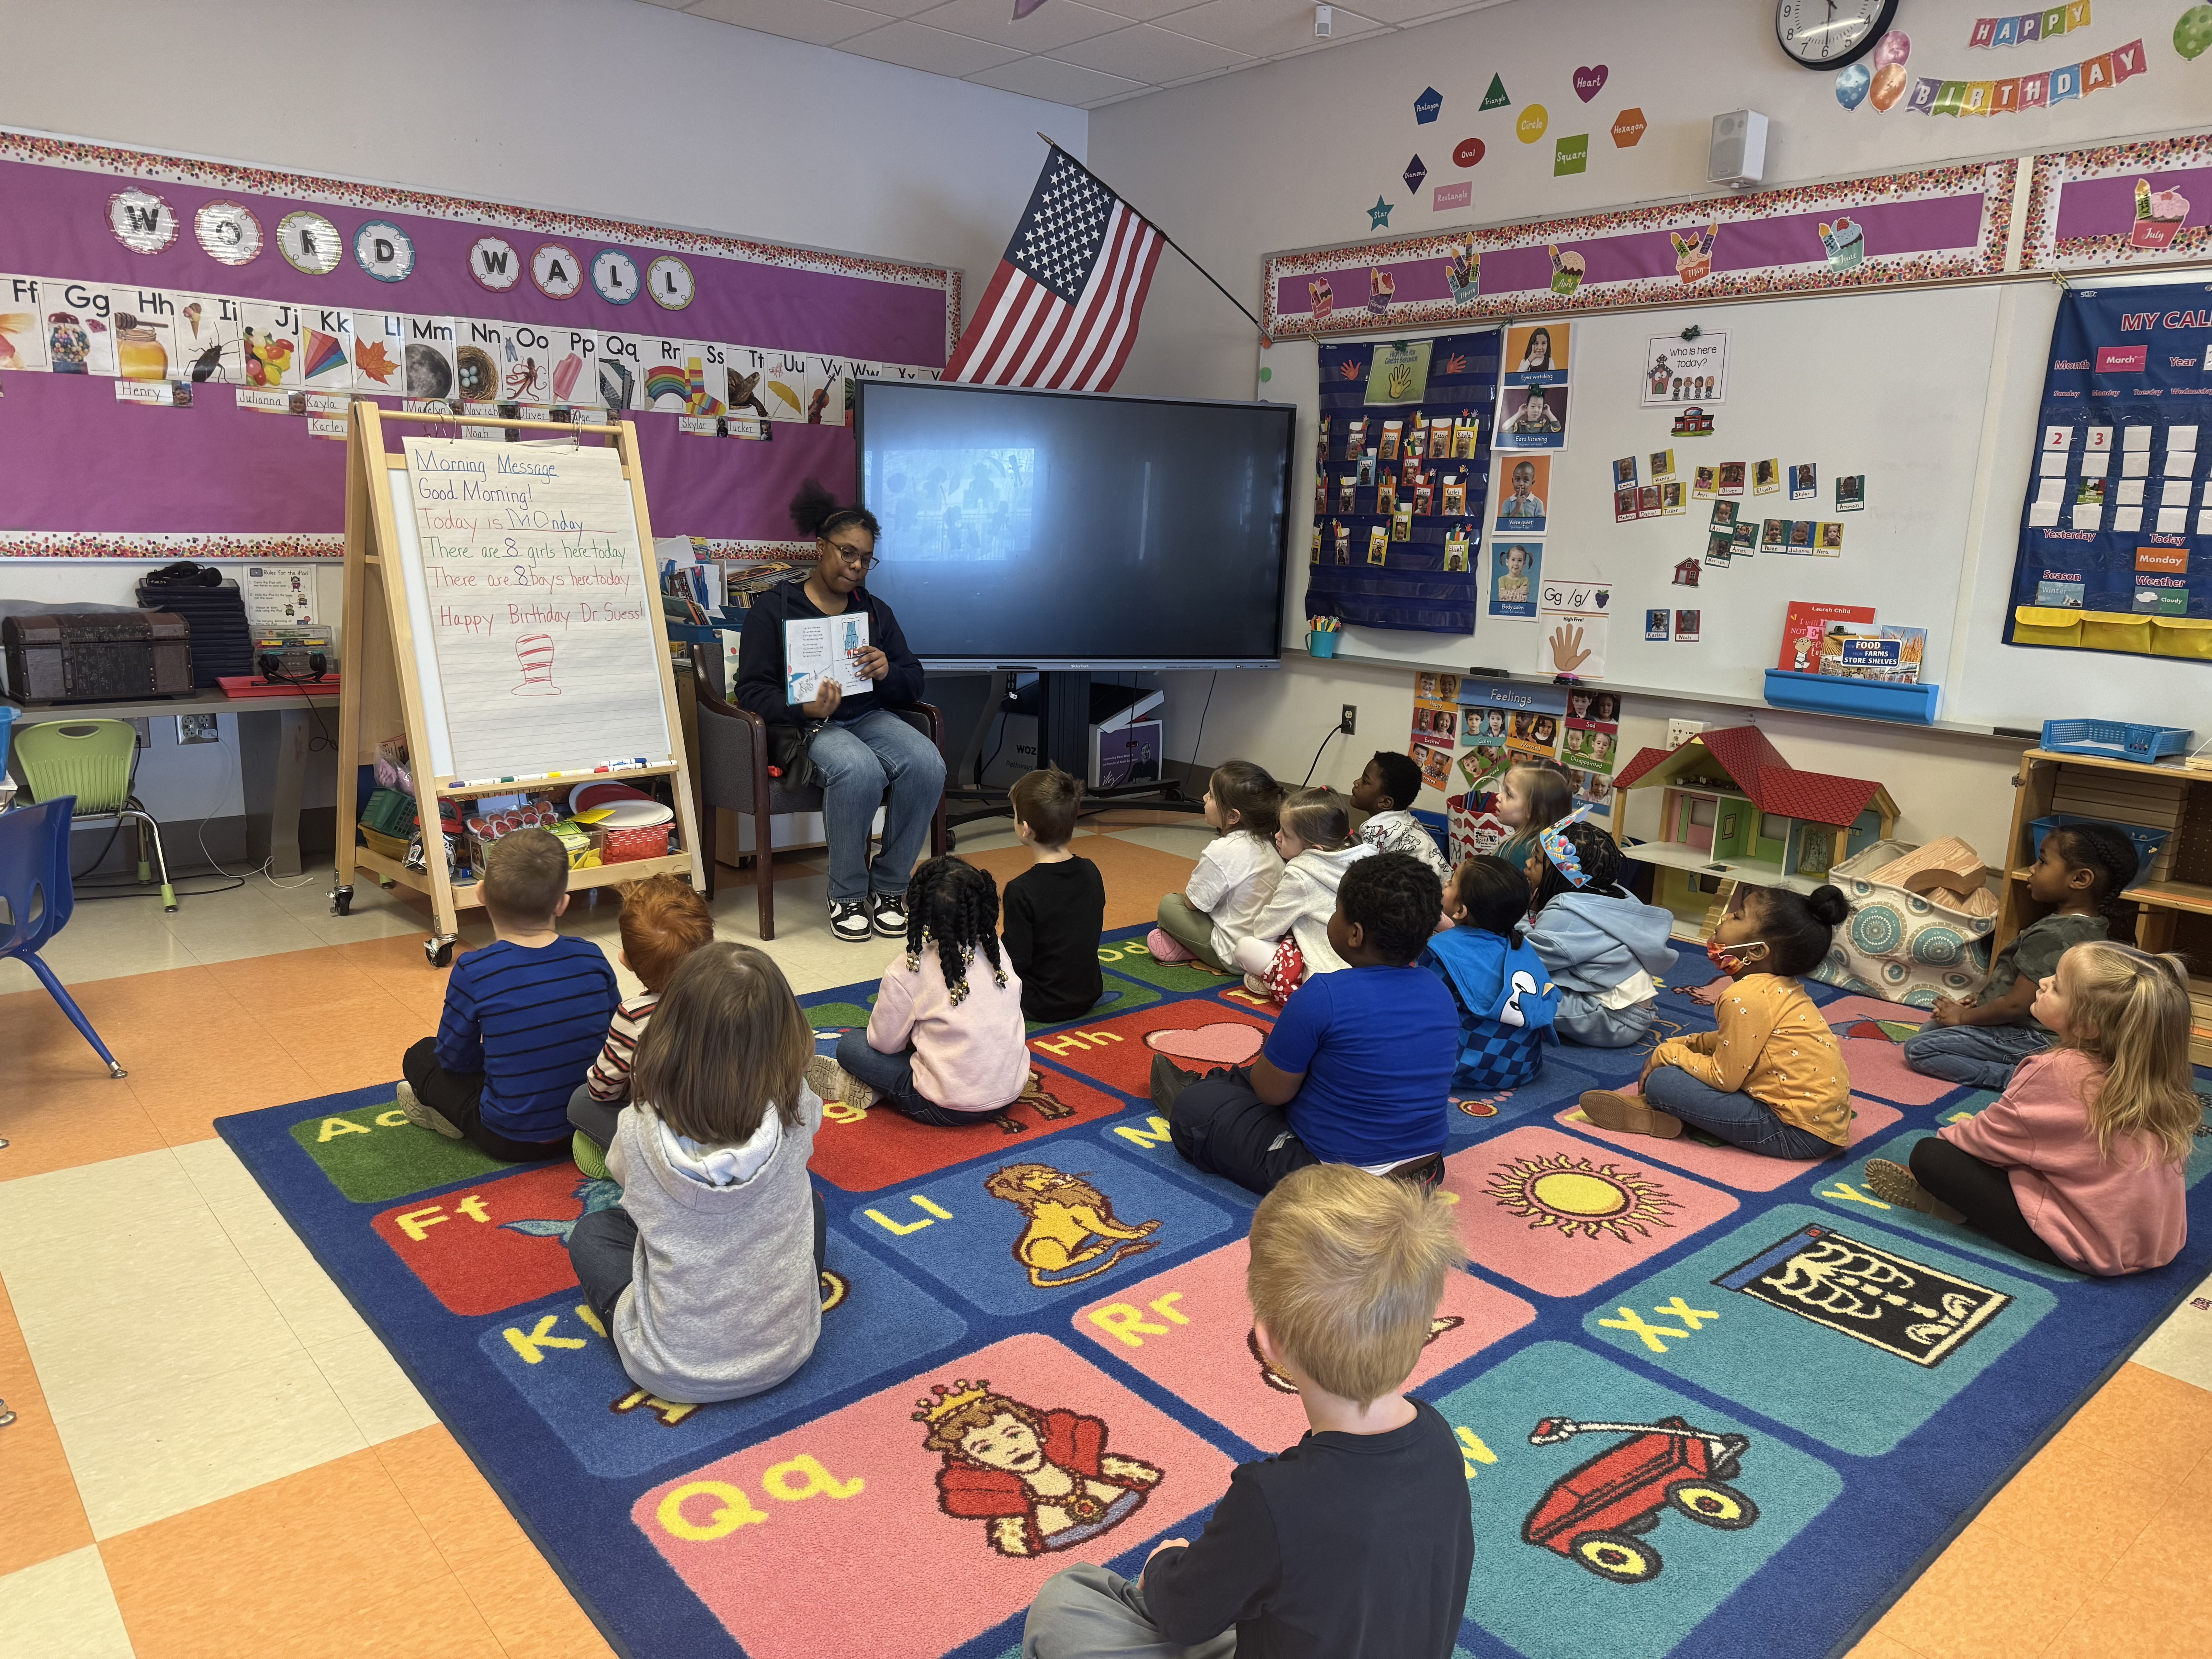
x,y
858,760
1982,1055
891,1076
1736,1118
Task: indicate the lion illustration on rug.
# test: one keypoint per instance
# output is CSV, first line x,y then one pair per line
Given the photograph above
x,y
1042,1479
1071,1224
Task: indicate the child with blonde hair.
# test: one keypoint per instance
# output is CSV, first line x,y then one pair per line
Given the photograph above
x,y
706,1276
663,920
1235,877
2079,1162
1287,942
1532,796
1356,1541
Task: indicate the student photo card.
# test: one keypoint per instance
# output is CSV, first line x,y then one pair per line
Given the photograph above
x,y
1514,569
1533,418
1766,478
1851,493
1536,354
1804,481
1527,482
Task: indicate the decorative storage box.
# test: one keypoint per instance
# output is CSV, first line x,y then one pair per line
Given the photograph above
x,y
484,831
627,846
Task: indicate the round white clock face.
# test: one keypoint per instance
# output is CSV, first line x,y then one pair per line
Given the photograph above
x,y
557,270
1830,33
670,282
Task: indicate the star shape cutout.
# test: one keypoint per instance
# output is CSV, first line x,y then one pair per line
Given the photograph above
x,y
1378,217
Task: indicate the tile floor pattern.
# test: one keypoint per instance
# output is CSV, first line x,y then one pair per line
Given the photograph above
x,y
212,1454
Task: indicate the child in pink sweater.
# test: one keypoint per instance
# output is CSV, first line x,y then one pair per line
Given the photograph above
x,y
2079,1162
946,1045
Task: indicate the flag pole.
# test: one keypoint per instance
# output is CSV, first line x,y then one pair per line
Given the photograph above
x,y
1265,340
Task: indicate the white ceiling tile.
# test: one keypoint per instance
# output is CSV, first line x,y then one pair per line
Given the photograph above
x,y
1057,82
1419,11
939,52
1264,28
1140,11
1061,23
908,7
818,23
667,5
1153,55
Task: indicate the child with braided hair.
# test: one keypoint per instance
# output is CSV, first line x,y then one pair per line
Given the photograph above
x,y
946,1044
1601,944
2079,873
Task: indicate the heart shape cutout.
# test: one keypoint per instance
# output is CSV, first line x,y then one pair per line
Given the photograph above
x,y
1590,82
1223,1043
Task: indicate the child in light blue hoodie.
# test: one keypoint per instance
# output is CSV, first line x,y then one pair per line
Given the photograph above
x,y
1503,993
1601,944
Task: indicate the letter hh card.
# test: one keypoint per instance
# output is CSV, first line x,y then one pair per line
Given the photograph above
x,y
930,1512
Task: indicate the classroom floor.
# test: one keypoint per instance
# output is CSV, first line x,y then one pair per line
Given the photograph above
x,y
212,1455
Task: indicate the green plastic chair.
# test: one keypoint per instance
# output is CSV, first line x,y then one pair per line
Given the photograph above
x,y
93,760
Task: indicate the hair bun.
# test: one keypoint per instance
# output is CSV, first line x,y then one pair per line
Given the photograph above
x,y
813,508
1828,905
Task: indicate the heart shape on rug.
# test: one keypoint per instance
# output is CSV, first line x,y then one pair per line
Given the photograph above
x,y
1225,1043
1589,83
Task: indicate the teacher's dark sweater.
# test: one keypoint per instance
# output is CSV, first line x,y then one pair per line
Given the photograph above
x,y
761,683
1346,1547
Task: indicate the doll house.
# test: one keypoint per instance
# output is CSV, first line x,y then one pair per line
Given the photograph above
x,y
1731,809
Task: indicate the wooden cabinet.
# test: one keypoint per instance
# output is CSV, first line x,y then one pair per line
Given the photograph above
x,y
2173,893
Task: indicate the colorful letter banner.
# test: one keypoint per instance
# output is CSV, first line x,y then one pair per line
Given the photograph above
x,y
1944,223
2116,534
2122,205
155,311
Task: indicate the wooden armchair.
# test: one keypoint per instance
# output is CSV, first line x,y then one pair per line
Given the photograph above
x,y
734,778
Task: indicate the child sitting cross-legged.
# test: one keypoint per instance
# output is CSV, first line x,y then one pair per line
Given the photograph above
x,y
1501,988
1056,908
1234,877
946,1045
1287,942
1356,1543
1602,943
1771,1079
2079,1161
708,1274
1359,1068
663,920
523,1017
2080,872
1386,791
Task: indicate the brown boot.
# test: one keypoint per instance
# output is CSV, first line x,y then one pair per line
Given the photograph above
x,y
1629,1115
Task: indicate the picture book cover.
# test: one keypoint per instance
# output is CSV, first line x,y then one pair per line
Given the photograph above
x,y
1803,625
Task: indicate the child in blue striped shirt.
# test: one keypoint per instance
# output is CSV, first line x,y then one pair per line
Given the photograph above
x,y
524,1016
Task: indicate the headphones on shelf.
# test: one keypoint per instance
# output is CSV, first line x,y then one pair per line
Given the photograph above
x,y
185,573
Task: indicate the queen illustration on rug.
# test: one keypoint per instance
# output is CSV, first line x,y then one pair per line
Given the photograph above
x,y
1044,1480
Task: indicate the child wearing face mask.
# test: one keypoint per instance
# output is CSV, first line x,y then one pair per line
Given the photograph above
x,y
1771,1079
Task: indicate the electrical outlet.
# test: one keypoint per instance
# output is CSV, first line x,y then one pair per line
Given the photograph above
x,y
1348,721
1680,732
197,728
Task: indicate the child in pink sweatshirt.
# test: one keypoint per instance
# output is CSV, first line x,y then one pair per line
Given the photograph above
x,y
2079,1162
946,1045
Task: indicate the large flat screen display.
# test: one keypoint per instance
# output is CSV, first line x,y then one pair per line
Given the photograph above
x,y
1054,530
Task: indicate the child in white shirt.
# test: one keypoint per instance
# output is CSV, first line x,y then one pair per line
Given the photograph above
x,y
1234,877
1386,791
1289,940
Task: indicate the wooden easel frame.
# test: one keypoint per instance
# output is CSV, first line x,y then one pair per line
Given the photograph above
x,y
380,692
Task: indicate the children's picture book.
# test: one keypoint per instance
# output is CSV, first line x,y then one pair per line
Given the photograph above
x,y
1804,624
1862,652
819,648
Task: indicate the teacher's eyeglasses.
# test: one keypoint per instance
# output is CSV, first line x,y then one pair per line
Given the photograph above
x,y
862,560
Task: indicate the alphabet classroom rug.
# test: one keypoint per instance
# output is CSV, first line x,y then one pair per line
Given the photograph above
x,y
1708,1403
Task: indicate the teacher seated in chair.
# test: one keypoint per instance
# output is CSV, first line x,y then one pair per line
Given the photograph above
x,y
866,755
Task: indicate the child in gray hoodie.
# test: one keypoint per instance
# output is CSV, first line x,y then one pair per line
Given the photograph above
x,y
1601,945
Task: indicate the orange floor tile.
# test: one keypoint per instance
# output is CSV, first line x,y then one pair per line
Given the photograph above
x,y
44,1517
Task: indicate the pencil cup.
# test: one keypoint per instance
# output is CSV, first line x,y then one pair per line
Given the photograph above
x,y
1321,642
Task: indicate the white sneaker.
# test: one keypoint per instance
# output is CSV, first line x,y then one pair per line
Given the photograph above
x,y
850,920
423,1117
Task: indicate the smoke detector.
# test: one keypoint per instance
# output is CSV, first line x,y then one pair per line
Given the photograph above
x,y
1324,21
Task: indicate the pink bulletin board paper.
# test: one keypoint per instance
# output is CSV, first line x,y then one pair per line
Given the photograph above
x,y
89,475
1946,223
835,1538
2081,204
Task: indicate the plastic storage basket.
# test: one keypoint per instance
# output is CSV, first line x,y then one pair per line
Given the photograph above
x,y
627,846
2147,842
2115,739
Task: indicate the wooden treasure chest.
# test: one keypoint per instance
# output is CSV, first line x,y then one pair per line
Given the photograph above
x,y
69,656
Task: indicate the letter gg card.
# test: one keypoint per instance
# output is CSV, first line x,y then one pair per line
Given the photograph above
x,y
960,1490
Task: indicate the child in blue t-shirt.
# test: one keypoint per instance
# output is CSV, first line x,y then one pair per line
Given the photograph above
x,y
1502,992
1359,1068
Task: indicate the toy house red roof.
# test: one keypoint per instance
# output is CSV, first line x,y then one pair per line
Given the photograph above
x,y
1773,785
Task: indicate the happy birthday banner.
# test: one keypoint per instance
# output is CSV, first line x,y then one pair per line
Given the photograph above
x,y
1937,224
1885,80
179,342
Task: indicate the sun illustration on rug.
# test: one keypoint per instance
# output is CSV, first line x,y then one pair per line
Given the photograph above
x,y
1041,1480
1580,1197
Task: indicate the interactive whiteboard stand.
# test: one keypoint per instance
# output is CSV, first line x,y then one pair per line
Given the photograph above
x,y
393,682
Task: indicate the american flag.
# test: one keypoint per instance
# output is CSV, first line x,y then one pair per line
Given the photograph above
x,y
1063,306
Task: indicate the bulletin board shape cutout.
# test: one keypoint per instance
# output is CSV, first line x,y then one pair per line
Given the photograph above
x,y
396,675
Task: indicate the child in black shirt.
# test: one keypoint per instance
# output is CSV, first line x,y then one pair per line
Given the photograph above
x,y
1056,910
1356,1543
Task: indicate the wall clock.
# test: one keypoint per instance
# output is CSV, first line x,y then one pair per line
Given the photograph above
x,y
1826,34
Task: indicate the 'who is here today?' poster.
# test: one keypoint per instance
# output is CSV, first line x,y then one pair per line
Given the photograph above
x,y
2116,531
534,593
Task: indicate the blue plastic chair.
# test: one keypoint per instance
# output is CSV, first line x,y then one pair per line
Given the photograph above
x,y
34,885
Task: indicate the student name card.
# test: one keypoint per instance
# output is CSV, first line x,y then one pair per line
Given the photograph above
x,y
539,607
818,648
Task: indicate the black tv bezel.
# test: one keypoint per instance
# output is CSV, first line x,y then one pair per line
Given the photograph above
x,y
1102,664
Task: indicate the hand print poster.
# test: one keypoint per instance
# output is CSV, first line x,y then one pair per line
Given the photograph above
x,y
527,576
